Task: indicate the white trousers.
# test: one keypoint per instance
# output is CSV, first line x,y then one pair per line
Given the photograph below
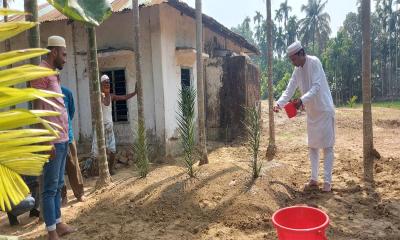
x,y
328,163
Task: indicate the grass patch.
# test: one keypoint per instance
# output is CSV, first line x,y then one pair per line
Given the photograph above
x,y
386,104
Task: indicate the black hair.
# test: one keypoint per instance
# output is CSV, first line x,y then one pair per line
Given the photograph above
x,y
53,47
301,52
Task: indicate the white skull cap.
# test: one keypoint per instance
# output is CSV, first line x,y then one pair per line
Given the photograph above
x,y
104,78
56,41
294,48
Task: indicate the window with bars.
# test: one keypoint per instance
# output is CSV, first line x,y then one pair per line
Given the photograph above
x,y
118,87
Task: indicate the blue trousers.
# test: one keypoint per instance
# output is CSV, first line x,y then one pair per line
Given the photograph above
x,y
24,206
53,181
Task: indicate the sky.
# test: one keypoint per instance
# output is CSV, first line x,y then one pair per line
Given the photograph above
x,y
232,12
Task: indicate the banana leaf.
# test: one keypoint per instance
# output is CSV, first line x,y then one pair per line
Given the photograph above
x,y
92,12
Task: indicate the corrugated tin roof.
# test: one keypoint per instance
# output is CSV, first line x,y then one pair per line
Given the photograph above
x,y
48,13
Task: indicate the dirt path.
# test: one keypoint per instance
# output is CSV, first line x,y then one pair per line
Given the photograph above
x,y
223,202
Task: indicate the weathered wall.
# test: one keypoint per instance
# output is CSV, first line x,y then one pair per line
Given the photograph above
x,y
214,72
241,88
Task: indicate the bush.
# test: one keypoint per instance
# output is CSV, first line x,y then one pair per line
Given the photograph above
x,y
352,101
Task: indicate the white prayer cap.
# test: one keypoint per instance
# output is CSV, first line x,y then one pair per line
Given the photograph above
x,y
56,41
294,48
104,78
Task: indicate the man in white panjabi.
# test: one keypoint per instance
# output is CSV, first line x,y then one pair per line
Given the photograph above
x,y
310,78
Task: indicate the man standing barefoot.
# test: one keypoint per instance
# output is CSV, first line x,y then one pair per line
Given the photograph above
x,y
53,171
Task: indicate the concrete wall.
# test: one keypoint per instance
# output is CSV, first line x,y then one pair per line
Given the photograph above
x,y
176,31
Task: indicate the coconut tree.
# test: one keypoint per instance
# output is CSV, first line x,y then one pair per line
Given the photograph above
x,y
292,28
315,28
271,146
200,85
366,89
141,147
280,42
33,36
284,8
258,20
7,43
34,33
97,114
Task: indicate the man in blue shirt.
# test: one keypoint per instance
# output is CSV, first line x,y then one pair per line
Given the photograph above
x,y
72,164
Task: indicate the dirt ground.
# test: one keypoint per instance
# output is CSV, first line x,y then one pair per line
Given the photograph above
x,y
224,203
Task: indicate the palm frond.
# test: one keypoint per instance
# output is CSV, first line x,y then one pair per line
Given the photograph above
x,y
14,96
6,12
12,57
252,124
13,76
11,29
186,126
141,150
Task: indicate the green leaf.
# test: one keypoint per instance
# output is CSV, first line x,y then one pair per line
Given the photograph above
x,y
92,12
10,29
11,57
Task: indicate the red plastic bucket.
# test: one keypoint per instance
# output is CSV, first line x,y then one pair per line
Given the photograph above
x,y
300,223
290,109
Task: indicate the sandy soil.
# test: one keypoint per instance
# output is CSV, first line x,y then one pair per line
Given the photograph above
x,y
224,203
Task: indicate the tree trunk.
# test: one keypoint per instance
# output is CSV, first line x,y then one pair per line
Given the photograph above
x,y
136,48
271,150
97,115
33,33
7,43
33,36
366,88
200,85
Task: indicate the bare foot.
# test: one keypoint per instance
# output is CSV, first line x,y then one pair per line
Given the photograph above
x,y
81,199
64,229
327,187
52,235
